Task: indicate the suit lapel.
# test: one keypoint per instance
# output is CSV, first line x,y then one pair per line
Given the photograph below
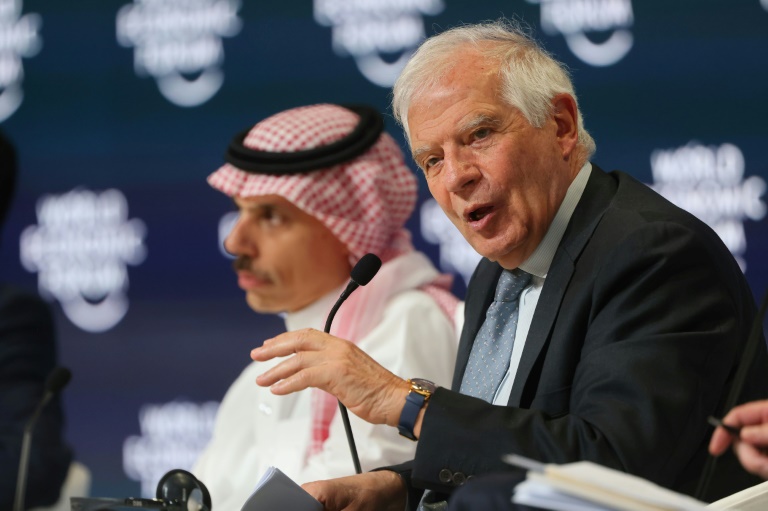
x,y
597,195
543,319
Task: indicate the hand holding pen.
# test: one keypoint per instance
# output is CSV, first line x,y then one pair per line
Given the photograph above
x,y
746,428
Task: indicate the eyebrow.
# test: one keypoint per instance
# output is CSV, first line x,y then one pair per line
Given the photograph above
x,y
247,205
418,152
478,120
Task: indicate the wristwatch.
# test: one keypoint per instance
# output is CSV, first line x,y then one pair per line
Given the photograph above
x,y
421,390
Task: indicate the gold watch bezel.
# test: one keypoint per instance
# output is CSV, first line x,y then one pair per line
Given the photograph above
x,y
421,389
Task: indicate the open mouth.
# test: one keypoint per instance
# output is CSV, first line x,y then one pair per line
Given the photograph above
x,y
479,213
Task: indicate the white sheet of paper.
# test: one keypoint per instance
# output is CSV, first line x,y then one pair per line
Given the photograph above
x,y
575,485
276,491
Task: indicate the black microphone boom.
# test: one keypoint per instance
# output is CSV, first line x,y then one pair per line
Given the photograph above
x,y
361,275
56,381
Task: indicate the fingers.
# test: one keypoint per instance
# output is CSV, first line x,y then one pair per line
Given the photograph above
x,y
754,459
315,359
310,348
299,372
332,495
322,361
752,441
720,441
383,490
755,435
755,412
289,343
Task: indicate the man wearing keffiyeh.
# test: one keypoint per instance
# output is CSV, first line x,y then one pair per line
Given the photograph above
x,y
318,187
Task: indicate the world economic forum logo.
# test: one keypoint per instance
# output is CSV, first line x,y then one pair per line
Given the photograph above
x,y
710,182
173,435
80,247
19,37
596,31
380,36
178,42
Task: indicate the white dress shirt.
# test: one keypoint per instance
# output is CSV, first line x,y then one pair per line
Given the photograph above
x,y
538,266
256,429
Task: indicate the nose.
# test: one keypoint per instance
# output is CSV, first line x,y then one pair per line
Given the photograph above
x,y
460,173
238,242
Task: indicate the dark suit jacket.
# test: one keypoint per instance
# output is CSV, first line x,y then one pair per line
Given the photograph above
x,y
633,343
27,356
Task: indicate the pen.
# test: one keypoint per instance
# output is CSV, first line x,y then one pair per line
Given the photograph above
x,y
718,422
523,462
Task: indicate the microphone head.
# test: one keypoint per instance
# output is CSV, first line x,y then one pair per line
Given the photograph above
x,y
365,269
58,379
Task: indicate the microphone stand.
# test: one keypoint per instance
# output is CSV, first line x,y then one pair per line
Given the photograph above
x,y
26,443
361,274
343,409
57,380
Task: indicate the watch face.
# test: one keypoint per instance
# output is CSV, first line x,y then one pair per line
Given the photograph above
x,y
423,384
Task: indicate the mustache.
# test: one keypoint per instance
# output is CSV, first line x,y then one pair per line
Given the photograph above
x,y
242,263
245,263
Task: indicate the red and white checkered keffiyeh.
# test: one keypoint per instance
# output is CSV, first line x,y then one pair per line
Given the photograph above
x,y
365,202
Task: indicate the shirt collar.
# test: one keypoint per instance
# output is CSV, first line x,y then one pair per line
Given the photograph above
x,y
539,262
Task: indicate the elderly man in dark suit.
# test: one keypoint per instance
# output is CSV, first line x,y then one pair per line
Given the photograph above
x,y
27,356
604,323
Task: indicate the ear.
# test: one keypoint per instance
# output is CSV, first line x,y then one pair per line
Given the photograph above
x,y
566,114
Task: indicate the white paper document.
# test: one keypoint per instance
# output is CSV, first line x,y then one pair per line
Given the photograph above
x,y
586,486
276,491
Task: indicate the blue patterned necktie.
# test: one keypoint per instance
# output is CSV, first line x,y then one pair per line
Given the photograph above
x,y
489,358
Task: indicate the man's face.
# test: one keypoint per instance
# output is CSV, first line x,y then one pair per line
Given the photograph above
x,y
287,259
499,179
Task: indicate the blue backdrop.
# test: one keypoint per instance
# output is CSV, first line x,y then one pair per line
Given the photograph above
x,y
120,109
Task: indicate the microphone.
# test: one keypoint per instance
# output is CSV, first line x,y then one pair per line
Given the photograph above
x,y
57,380
360,275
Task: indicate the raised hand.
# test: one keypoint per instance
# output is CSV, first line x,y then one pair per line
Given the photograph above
x,y
337,366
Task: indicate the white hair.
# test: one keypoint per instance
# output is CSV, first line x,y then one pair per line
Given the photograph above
x,y
530,76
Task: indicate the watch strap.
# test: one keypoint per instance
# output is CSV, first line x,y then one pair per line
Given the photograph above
x,y
413,404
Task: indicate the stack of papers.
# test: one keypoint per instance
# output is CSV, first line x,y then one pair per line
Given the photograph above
x,y
276,491
586,486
